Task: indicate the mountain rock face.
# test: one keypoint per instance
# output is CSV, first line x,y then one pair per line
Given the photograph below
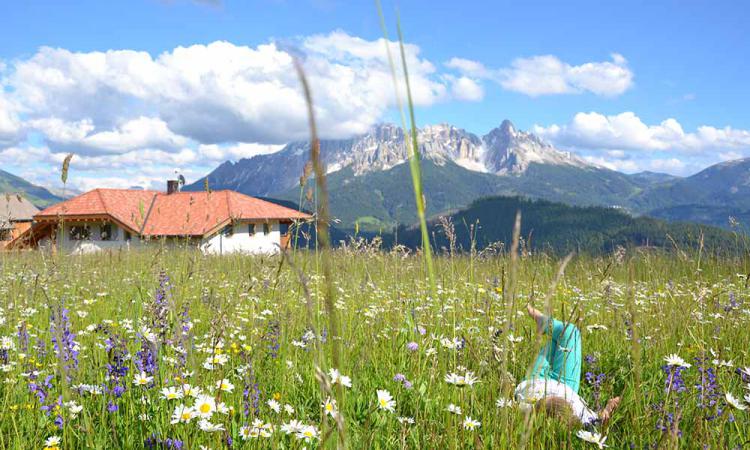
x,y
37,195
503,151
369,181
511,151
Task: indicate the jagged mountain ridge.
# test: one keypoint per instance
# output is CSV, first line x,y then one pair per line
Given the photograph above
x,y
503,151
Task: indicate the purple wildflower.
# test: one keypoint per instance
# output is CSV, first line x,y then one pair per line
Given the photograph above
x,y
63,340
401,378
273,332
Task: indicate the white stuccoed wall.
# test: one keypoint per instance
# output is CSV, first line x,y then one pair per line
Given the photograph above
x,y
95,244
242,242
239,242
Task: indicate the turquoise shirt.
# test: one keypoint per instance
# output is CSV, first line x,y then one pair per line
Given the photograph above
x,y
560,358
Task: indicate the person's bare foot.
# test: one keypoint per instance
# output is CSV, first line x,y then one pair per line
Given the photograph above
x,y
536,315
606,413
533,312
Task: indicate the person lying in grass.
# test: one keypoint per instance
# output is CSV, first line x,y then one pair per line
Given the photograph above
x,y
556,376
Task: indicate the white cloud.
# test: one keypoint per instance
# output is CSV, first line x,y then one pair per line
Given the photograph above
x,y
469,67
201,104
622,165
632,165
596,131
465,88
728,156
81,137
234,152
10,124
222,92
547,74
670,165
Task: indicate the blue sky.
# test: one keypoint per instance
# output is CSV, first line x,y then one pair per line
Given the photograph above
x,y
639,85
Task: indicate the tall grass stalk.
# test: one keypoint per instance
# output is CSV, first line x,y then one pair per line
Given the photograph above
x,y
411,142
322,222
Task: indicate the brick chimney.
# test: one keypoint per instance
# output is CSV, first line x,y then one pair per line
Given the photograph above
x,y
173,186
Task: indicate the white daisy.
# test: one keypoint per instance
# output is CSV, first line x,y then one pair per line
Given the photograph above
x,y
274,405
471,424
504,402
735,402
674,360
336,377
594,438
205,406
293,427
224,385
209,427
182,414
247,432
385,401
454,409
142,379
308,433
53,442
190,391
171,393
329,407
468,379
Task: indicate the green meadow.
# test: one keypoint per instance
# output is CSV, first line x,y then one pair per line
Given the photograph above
x,y
173,349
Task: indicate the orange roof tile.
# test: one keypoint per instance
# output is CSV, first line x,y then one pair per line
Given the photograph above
x,y
127,206
153,213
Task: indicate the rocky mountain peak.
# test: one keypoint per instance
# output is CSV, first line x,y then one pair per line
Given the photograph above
x,y
510,151
507,127
505,150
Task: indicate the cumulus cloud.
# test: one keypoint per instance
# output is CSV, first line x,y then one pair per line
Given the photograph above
x,y
81,136
626,130
670,165
234,152
222,92
146,168
622,165
469,67
632,165
202,104
10,124
547,74
468,89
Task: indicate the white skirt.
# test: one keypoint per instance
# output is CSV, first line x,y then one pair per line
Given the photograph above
x,y
528,392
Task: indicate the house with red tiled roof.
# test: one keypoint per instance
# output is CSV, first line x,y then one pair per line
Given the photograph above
x,y
217,222
16,215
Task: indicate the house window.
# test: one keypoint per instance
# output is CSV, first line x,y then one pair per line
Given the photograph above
x,y
4,235
284,228
80,233
266,229
127,235
228,230
107,232
251,229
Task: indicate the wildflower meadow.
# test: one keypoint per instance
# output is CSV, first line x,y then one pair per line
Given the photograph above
x,y
169,348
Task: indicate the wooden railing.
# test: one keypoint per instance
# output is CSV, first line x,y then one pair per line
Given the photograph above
x,y
285,239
